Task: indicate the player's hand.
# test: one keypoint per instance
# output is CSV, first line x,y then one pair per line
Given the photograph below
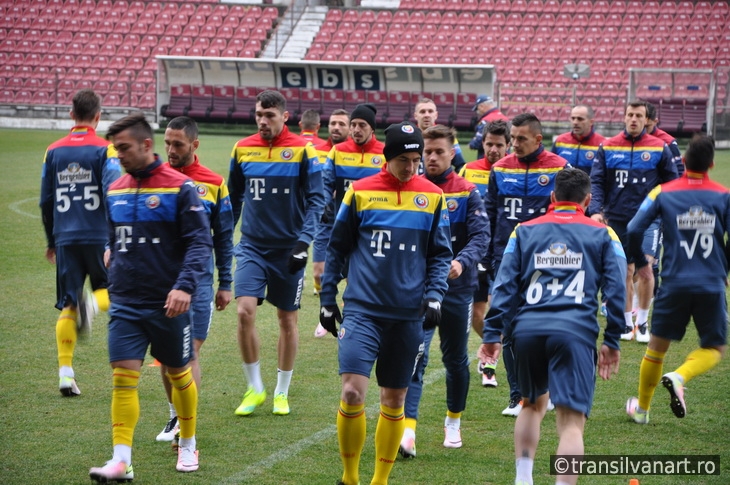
x,y
329,316
51,255
222,299
598,218
178,302
489,353
298,257
608,360
431,311
107,257
456,270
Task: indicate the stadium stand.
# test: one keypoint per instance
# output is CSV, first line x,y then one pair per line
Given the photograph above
x,y
48,48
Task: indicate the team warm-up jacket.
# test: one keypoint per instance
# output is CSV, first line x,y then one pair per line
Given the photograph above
x,y
323,149
159,236
397,238
518,190
491,115
695,214
347,162
280,183
578,152
626,168
468,225
76,173
550,275
477,172
673,148
311,137
213,191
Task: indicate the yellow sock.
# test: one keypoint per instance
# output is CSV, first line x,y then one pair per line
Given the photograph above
x,y
66,337
698,362
102,299
411,423
125,405
451,415
351,427
388,433
185,399
649,374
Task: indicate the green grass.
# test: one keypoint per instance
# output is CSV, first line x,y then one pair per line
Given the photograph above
x,y
49,439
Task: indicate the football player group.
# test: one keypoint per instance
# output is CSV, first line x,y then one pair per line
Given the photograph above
x,y
425,241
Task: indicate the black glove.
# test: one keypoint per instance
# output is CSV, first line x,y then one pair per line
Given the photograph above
x,y
329,315
325,218
431,310
298,257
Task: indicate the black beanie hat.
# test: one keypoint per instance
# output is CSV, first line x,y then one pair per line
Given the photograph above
x,y
402,138
365,111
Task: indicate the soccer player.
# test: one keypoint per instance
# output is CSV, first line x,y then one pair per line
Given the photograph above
x,y
579,145
496,141
309,124
518,190
160,242
426,114
487,111
359,156
275,185
626,168
393,226
469,240
555,265
695,216
652,128
181,142
339,130
77,170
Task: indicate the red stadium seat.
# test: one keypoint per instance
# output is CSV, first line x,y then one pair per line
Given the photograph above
x,y
311,99
399,107
179,101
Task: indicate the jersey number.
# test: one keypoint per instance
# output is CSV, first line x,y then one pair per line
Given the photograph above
x,y
64,196
574,289
706,243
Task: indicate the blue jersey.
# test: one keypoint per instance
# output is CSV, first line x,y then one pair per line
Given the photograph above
x,y
551,272
518,190
213,192
578,152
625,170
695,216
159,236
77,171
469,227
397,238
277,186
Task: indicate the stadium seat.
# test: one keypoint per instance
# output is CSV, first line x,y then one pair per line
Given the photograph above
x,y
332,99
352,99
179,103
311,98
223,102
244,103
201,100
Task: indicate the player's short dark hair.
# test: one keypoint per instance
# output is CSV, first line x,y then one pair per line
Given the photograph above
x,y
530,120
591,113
86,105
271,99
437,132
340,111
650,111
572,185
136,123
637,103
700,153
310,119
185,123
498,128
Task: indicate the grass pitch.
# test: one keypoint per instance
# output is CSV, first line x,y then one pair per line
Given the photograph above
x,y
49,439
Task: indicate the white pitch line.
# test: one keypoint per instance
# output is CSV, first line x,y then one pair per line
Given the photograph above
x,y
252,471
15,207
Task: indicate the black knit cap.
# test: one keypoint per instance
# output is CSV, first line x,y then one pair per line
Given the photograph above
x,y
402,138
365,111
